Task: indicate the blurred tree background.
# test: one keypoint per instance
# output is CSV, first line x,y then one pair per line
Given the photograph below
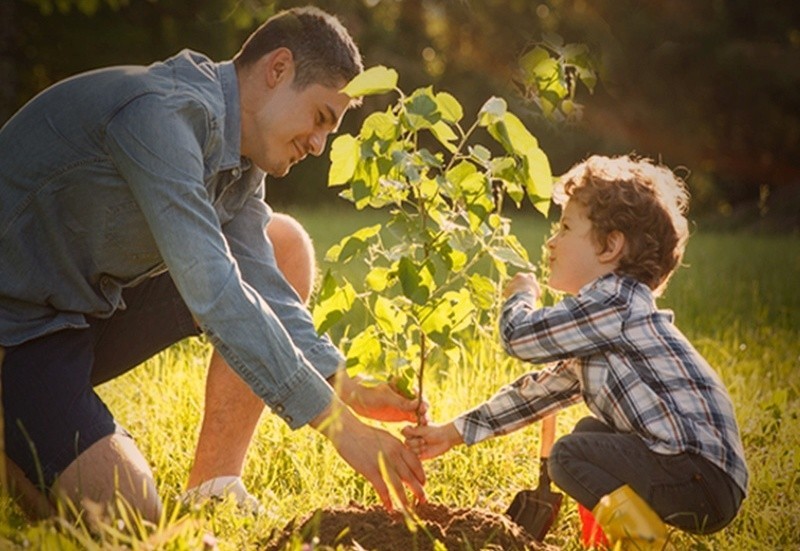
x,y
712,86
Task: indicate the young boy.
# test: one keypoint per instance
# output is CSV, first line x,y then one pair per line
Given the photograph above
x,y
663,444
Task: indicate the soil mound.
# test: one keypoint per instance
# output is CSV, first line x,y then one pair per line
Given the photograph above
x,y
373,528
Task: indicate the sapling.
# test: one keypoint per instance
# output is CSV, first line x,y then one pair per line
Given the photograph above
x,y
434,269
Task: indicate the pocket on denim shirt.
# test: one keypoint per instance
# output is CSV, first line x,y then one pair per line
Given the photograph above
x,y
128,242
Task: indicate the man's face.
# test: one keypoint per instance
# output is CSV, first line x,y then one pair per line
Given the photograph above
x,y
291,123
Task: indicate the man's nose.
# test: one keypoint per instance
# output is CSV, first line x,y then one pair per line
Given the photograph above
x,y
317,143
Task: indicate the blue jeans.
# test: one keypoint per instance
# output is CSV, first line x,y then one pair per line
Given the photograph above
x,y
52,414
686,490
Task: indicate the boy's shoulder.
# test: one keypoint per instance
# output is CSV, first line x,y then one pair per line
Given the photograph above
x,y
618,285
623,292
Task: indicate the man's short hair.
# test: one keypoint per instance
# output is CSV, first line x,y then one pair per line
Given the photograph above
x,y
644,201
324,53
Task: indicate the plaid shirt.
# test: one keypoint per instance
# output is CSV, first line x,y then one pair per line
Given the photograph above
x,y
626,360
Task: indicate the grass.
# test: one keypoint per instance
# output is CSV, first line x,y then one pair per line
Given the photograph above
x,y
738,301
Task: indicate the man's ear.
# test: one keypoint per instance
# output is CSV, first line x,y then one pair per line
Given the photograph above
x,y
279,66
615,247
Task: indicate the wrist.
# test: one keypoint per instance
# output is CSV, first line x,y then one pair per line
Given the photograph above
x,y
452,435
346,387
330,417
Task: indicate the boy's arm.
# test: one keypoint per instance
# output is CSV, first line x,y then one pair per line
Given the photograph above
x,y
576,326
521,403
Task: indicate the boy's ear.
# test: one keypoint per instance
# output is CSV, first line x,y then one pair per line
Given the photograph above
x,y
279,66
615,247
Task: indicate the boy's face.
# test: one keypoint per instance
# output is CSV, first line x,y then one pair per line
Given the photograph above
x,y
574,253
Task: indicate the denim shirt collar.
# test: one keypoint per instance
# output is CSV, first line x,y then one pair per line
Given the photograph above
x,y
231,155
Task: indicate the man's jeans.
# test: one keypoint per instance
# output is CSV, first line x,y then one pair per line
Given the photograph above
x,y
686,490
51,412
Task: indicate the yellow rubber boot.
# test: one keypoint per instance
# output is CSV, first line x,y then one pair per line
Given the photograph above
x,y
629,522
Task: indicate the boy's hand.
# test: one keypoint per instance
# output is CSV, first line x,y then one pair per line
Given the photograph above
x,y
523,283
430,441
380,402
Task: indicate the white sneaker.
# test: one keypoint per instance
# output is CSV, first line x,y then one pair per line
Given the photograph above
x,y
221,488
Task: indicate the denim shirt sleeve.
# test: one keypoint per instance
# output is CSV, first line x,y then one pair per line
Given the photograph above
x,y
255,257
165,174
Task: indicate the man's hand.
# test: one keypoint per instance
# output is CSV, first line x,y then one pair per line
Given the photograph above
x,y
432,440
381,401
361,446
523,283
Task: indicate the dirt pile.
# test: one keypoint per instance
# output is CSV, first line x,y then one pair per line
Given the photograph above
x,y
373,528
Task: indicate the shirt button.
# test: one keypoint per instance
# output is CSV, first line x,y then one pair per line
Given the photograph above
x,y
288,418
236,172
279,408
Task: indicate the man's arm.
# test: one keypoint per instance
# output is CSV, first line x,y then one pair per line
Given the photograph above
x,y
164,170
255,256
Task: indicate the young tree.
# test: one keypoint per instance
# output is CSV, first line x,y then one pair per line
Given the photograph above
x,y
434,268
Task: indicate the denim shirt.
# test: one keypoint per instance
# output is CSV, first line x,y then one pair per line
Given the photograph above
x,y
120,174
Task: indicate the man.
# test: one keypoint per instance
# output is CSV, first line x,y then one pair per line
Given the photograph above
x,y
132,216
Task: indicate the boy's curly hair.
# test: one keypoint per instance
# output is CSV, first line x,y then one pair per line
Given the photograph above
x,y
644,201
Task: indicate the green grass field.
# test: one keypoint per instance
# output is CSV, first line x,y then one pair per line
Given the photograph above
x,y
738,301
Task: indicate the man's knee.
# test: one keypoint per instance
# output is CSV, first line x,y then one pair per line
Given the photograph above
x,y
33,502
112,468
294,253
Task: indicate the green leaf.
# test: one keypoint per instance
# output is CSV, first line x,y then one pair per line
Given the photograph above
x,y
449,107
375,80
364,350
333,301
352,244
405,382
455,259
384,126
480,153
483,290
508,255
530,61
539,184
391,319
344,159
378,279
445,135
413,281
421,110
449,315
492,111
460,172
428,188
512,134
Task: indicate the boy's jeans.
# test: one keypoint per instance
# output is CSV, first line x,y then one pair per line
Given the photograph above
x,y
686,490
